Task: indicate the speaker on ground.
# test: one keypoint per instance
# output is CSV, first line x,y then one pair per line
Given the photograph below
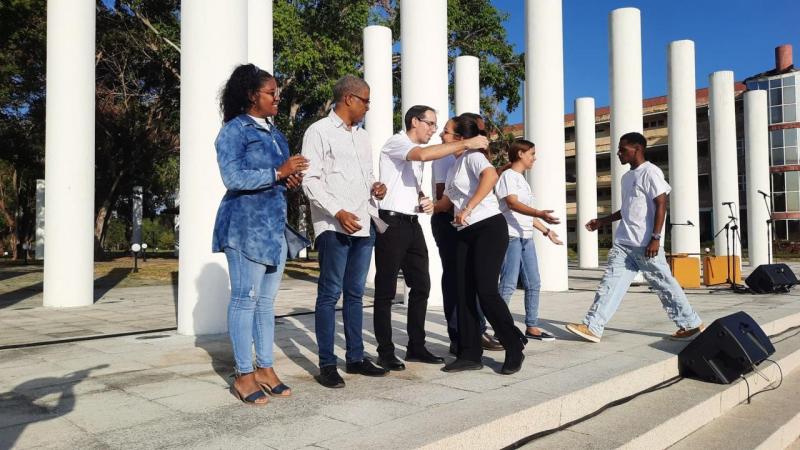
x,y
771,278
730,347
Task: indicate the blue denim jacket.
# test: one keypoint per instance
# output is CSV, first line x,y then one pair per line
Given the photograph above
x,y
252,215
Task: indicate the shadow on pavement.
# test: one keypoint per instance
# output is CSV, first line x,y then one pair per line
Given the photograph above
x,y
107,282
20,403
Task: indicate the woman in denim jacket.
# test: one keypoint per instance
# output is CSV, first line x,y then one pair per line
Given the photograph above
x,y
256,168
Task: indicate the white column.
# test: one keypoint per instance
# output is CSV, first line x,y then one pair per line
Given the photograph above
x,y
625,75
544,126
39,219
379,121
724,173
682,147
214,42
586,165
756,147
468,86
69,153
259,33
423,39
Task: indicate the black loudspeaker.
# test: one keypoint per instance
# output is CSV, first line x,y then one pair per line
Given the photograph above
x,y
729,347
771,278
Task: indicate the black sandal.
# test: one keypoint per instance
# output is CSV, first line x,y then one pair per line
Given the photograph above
x,y
252,398
278,390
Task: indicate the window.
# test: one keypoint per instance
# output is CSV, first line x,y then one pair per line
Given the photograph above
x,y
786,191
783,145
782,98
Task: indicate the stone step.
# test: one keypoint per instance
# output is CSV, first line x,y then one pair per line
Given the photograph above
x,y
770,421
504,417
663,417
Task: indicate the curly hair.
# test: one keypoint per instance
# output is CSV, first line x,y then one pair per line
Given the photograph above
x,y
241,87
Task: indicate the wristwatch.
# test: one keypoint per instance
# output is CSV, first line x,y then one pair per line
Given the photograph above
x,y
656,236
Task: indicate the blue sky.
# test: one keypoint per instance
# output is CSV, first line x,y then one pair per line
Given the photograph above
x,y
728,34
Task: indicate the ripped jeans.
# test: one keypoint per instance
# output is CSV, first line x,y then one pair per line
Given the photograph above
x,y
251,313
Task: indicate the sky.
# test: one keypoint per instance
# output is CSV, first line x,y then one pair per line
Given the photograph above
x,y
729,35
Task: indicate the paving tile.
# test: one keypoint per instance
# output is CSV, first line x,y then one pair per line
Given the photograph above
x,y
110,410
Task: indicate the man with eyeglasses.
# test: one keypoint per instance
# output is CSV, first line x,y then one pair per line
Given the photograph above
x,y
340,186
403,245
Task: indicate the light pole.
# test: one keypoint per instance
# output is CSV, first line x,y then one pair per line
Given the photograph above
x,y
144,252
135,251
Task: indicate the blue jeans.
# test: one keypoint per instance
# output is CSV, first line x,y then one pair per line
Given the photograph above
x,y
251,312
343,265
520,263
623,264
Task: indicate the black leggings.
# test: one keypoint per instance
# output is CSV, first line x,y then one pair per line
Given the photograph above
x,y
481,250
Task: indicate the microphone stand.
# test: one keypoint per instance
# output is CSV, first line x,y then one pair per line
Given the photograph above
x,y
730,226
732,256
770,225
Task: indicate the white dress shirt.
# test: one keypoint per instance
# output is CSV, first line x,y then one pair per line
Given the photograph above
x,y
403,178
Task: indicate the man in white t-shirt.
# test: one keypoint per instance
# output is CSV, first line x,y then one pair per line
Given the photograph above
x,y
402,245
637,248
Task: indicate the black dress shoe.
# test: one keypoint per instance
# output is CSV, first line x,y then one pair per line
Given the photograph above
x,y
424,356
391,362
329,377
513,363
460,365
365,367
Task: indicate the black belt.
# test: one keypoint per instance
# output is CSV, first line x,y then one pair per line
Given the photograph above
x,y
384,213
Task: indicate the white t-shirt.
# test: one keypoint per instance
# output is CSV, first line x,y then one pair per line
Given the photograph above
x,y
403,178
639,187
462,182
512,182
441,167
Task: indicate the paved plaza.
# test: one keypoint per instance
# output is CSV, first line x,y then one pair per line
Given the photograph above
x,y
160,389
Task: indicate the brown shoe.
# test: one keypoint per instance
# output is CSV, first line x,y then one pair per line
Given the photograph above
x,y
583,331
489,342
685,334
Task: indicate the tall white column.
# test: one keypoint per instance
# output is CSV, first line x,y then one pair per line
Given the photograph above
x,y
682,147
468,85
724,173
544,126
69,153
379,121
259,34
423,40
39,219
586,165
625,75
214,42
756,147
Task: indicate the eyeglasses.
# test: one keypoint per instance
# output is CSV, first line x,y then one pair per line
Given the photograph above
x,y
429,123
363,100
275,94
446,131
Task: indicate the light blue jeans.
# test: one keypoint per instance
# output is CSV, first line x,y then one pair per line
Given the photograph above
x,y
520,263
251,312
623,264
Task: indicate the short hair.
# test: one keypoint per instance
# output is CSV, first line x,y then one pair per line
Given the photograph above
x,y
517,147
348,84
417,111
634,138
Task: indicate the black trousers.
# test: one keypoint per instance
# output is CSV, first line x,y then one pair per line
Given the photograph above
x,y
402,246
480,253
446,238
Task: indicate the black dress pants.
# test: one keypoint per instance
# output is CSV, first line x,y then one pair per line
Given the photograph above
x,y
446,238
480,253
402,246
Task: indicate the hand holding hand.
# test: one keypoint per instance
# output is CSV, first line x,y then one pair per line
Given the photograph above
x,y
461,217
293,165
294,181
348,221
547,216
426,205
378,190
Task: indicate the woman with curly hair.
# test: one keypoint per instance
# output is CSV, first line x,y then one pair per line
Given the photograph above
x,y
250,227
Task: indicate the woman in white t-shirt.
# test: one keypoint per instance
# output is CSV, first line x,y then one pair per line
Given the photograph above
x,y
481,247
520,263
